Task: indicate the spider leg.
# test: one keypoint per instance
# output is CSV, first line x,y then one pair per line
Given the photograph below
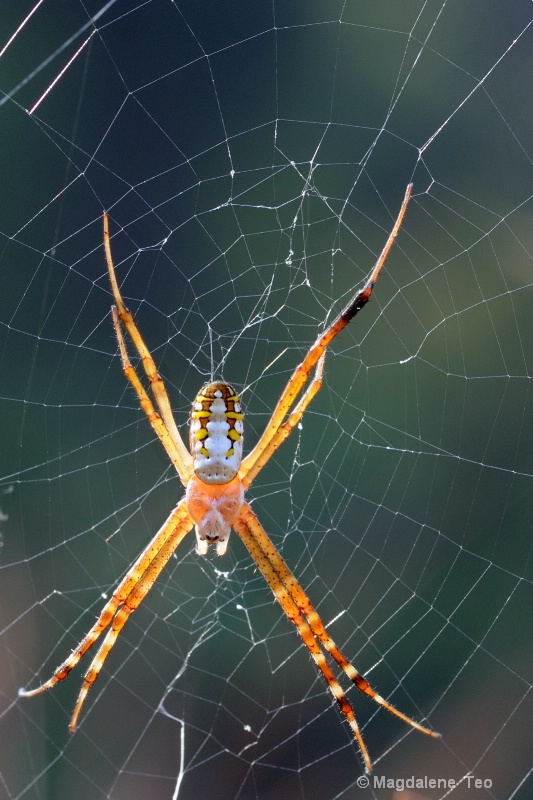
x,y
180,455
314,622
285,429
293,613
177,525
128,606
146,404
303,370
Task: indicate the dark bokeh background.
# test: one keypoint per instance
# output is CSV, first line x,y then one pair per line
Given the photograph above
x,y
252,158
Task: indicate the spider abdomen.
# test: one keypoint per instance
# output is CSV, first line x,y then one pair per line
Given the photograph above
x,y
216,433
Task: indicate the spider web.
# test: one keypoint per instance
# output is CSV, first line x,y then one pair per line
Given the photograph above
x,y
252,158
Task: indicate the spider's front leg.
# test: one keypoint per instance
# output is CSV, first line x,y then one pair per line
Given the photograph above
x,y
128,594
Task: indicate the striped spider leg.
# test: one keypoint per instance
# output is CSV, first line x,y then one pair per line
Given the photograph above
x,y
215,477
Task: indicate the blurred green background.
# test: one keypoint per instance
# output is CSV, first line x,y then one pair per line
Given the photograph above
x,y
252,159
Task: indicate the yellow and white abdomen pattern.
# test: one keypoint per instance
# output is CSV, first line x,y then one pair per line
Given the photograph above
x,y
216,433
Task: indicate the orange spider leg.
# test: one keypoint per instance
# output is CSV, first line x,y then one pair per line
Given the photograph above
x,y
178,523
315,623
285,429
184,461
146,404
256,460
293,613
128,606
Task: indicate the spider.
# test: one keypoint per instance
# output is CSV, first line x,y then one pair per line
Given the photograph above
x,y
215,477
